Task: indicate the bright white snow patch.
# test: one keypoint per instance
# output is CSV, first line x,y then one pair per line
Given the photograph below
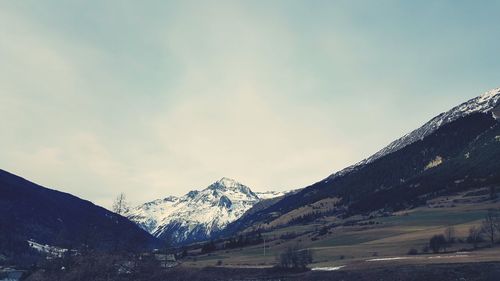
x,y
52,251
327,268
450,256
457,255
390,259
270,194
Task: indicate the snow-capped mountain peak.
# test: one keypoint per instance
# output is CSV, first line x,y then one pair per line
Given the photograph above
x,y
230,185
486,102
227,182
198,214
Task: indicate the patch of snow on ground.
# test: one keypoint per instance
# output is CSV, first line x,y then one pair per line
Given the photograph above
x,y
327,268
457,255
390,259
451,256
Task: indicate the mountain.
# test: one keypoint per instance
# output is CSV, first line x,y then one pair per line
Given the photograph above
x,y
457,150
198,215
483,103
31,212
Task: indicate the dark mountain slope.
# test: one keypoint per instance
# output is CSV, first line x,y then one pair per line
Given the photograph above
x,y
475,165
461,154
30,211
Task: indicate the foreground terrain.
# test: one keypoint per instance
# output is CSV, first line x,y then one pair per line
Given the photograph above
x,y
382,246
425,207
434,272
354,240
487,271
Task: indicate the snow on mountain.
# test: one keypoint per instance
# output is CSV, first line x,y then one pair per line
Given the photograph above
x,y
198,214
270,194
52,251
483,103
149,215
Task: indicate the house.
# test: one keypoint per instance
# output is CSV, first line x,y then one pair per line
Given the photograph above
x,y
8,274
167,261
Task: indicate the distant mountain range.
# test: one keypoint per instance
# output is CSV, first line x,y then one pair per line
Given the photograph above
x,y
31,212
457,150
198,215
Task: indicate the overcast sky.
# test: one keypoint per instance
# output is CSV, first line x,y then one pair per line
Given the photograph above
x,y
159,98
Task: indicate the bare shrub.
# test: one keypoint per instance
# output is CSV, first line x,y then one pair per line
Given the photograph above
x,y
437,242
449,234
475,236
295,258
491,226
412,251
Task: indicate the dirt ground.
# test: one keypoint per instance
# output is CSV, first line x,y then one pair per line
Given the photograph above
x,y
481,271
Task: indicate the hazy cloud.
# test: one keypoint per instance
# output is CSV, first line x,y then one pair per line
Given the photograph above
x,y
159,98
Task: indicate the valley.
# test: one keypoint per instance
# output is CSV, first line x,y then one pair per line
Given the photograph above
x,y
378,239
426,205
249,140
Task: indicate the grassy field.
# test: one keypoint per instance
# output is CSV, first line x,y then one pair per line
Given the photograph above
x,y
480,271
376,238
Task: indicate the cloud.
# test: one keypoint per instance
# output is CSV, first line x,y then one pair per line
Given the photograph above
x,y
161,98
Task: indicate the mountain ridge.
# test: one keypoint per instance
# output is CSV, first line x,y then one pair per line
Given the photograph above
x,y
404,166
485,102
31,211
198,214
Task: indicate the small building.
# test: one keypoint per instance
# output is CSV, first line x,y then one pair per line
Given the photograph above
x,y
8,274
167,261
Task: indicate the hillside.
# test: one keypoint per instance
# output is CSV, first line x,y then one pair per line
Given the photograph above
x,y
382,213
31,212
455,151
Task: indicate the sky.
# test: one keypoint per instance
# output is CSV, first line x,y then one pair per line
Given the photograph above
x,y
156,98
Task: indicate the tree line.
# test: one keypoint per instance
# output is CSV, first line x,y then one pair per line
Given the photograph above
x,y
488,230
